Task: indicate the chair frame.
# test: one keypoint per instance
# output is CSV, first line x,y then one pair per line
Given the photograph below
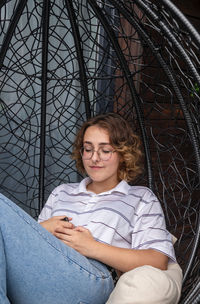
x,y
146,68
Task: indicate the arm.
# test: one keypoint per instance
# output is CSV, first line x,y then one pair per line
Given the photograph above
x,y
119,258
127,259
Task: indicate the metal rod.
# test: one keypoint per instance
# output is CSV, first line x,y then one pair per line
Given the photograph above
x,y
80,58
11,29
44,80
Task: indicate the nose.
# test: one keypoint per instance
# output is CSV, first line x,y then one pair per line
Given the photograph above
x,y
95,156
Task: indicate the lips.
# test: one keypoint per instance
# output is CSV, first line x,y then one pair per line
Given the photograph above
x,y
95,167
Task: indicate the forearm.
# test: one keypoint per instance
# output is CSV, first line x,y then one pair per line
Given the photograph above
x,y
127,259
121,259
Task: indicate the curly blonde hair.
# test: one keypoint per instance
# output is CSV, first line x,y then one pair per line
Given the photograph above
x,y
122,139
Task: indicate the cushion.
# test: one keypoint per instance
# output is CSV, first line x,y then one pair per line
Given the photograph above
x,y
148,285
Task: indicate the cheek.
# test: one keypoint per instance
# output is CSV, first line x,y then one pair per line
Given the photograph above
x,y
84,163
115,164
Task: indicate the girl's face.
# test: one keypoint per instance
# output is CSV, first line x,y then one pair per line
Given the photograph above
x,y
103,165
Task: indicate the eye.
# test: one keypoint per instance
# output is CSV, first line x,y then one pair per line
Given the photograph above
x,y
88,149
106,151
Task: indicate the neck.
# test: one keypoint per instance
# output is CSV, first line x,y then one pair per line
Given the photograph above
x,y
99,187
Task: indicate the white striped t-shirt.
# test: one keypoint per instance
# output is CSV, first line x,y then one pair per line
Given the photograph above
x,y
126,216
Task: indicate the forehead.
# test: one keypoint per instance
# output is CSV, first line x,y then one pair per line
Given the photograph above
x,y
96,135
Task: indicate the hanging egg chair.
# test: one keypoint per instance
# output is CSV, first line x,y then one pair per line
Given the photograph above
x,y
63,61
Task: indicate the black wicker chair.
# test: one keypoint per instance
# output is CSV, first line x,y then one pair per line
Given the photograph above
x,y
64,61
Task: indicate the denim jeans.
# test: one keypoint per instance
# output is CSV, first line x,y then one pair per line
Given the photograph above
x,y
37,268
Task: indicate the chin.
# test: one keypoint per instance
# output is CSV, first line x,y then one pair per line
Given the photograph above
x,y
96,179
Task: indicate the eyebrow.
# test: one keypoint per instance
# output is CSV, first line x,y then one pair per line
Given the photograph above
x,y
100,144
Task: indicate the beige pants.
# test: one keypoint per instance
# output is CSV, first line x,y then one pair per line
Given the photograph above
x,y
148,285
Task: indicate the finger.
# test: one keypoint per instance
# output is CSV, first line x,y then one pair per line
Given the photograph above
x,y
67,225
66,218
60,217
80,228
64,230
62,236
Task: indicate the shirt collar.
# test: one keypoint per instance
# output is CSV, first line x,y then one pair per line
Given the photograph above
x,y
83,184
122,187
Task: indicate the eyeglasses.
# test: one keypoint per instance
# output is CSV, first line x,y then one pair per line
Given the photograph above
x,y
104,153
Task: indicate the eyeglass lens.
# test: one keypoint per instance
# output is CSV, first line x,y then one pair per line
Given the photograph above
x,y
103,153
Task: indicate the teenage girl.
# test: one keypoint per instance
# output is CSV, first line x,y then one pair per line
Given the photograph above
x,y
85,228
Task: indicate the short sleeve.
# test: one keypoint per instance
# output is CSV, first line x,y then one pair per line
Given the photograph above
x,y
150,228
47,209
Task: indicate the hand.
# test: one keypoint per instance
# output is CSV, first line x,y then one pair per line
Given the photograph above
x,y
55,223
78,238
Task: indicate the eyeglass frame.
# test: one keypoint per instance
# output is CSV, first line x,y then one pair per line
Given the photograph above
x,y
93,150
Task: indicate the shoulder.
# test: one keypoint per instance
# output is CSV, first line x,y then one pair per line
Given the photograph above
x,y
143,197
140,191
145,200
